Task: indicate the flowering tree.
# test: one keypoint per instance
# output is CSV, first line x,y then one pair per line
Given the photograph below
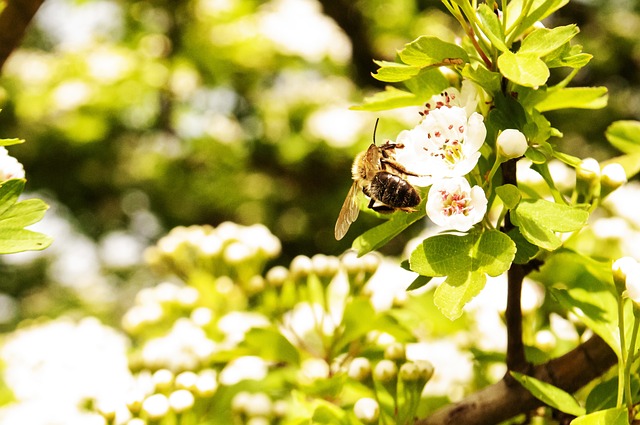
x,y
337,340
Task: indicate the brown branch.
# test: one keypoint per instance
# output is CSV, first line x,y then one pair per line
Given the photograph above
x,y
506,399
14,20
516,359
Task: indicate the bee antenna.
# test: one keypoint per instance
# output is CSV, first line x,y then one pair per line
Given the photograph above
x,y
375,127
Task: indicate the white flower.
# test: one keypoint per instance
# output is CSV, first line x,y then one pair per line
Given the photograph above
x,y
511,143
445,144
10,168
468,98
367,410
454,204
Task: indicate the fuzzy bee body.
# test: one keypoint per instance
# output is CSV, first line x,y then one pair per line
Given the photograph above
x,y
376,173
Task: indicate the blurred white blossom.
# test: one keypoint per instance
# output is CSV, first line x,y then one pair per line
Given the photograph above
x,y
87,359
10,168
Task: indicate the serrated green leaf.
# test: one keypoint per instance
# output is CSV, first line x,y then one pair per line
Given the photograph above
x,y
465,260
456,291
20,240
616,416
543,41
432,51
390,98
378,236
624,135
479,74
10,190
539,220
9,142
574,97
550,394
393,72
526,69
271,345
492,27
23,213
509,194
427,83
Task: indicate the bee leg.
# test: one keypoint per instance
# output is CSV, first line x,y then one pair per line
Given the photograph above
x,y
399,167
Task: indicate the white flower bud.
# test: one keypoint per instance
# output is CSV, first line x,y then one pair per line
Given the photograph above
x,y
385,371
156,406
511,143
186,380
359,368
613,176
207,383
621,268
277,276
181,400
409,372
367,410
162,379
395,351
588,170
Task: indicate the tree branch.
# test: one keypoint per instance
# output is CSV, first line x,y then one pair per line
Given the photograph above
x,y
506,399
13,24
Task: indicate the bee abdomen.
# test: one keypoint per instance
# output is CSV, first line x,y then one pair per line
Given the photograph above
x,y
393,191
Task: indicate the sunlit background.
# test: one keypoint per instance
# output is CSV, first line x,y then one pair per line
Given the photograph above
x,y
141,116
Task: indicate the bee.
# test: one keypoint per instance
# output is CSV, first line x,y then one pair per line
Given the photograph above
x,y
382,179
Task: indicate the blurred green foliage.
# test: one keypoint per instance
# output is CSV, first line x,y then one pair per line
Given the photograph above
x,y
140,113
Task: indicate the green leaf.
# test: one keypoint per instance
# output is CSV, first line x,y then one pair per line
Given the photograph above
x,y
539,221
616,416
604,394
478,73
271,345
492,27
624,136
9,193
543,41
431,51
9,142
574,97
378,236
509,194
550,395
539,10
427,83
419,282
390,98
465,260
525,250
456,291
587,291
358,319
14,216
526,69
393,72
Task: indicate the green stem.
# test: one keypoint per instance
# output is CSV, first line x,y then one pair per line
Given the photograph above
x,y
627,368
623,354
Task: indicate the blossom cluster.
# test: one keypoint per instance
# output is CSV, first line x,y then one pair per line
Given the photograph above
x,y
443,150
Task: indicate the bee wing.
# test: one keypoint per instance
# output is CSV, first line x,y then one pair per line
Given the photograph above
x,y
348,212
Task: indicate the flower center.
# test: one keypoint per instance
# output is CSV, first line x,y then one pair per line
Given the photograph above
x,y
449,144
455,203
